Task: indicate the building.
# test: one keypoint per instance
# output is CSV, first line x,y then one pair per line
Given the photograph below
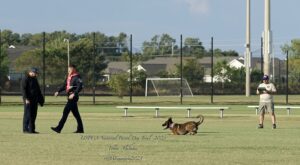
x,y
168,64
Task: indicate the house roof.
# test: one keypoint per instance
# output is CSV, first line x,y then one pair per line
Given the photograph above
x,y
156,65
117,67
169,62
235,63
154,69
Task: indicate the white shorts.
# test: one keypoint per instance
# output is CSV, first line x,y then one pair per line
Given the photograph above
x,y
266,107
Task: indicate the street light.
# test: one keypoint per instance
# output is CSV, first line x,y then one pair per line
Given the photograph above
x,y
68,43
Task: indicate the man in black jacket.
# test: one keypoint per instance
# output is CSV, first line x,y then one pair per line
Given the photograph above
x,y
31,97
72,86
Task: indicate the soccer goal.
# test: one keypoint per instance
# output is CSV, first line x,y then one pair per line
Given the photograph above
x,y
167,87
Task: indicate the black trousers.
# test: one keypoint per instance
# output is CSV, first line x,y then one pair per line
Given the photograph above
x,y
71,106
30,113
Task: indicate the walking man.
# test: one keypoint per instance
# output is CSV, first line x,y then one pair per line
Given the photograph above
x,y
266,104
72,86
32,95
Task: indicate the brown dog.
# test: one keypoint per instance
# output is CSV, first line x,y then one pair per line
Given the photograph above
x,y
190,127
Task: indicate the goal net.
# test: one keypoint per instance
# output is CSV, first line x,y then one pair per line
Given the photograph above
x,y
167,87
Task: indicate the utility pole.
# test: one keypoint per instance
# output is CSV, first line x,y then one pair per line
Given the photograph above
x,y
267,34
247,60
262,56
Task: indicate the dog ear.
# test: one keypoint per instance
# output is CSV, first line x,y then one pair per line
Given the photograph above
x,y
170,118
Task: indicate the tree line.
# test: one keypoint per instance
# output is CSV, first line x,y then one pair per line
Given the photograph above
x,y
108,48
81,49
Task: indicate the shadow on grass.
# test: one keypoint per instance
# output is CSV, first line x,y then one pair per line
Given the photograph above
x,y
209,132
143,132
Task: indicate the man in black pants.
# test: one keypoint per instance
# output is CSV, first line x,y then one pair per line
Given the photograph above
x,y
72,86
32,95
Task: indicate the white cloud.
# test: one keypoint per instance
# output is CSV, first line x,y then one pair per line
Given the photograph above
x,y
198,6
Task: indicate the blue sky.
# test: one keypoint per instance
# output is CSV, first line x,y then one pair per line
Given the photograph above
x,y
222,19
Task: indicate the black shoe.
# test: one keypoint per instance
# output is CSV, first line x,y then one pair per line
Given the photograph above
x,y
30,132
274,126
78,131
260,126
55,129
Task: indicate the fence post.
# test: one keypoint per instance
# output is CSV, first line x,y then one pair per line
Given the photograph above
x,y
156,112
181,70
221,113
189,112
287,79
0,66
125,111
212,71
94,63
130,68
44,64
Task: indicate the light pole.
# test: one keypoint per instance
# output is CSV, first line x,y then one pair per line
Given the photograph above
x,y
267,35
247,60
68,43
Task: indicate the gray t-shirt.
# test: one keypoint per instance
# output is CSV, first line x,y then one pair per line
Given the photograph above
x,y
266,97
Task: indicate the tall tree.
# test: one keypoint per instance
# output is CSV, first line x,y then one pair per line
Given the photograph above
x,y
159,45
25,38
220,53
151,48
10,38
230,53
81,54
192,71
166,44
294,60
222,71
4,66
193,47
226,74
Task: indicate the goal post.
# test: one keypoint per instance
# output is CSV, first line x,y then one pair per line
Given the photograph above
x,y
167,87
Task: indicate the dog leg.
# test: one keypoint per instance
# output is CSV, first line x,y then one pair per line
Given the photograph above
x,y
174,132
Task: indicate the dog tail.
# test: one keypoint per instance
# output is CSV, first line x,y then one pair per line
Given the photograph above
x,y
201,119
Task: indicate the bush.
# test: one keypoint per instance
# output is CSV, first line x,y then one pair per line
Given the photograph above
x,y
119,84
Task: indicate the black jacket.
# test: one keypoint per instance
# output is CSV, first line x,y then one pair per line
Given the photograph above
x,y
31,91
76,85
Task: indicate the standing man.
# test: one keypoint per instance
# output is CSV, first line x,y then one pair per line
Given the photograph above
x,y
32,95
266,103
72,86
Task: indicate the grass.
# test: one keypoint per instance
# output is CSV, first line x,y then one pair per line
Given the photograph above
x,y
140,139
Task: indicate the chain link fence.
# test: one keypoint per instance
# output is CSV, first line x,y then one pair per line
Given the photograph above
x,y
182,67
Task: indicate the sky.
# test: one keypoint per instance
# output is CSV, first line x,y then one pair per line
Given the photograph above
x,y
225,20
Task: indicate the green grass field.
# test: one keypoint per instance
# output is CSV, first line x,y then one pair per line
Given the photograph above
x,y
140,139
